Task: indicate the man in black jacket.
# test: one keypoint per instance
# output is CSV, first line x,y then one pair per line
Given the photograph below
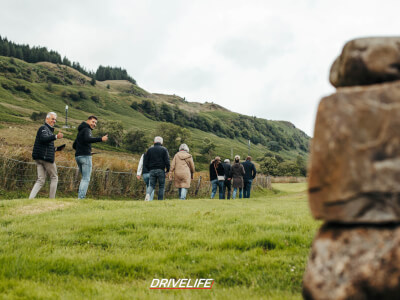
x,y
44,155
250,174
83,153
157,162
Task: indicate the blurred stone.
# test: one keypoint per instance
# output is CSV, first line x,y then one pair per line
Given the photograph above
x,y
354,263
367,61
354,173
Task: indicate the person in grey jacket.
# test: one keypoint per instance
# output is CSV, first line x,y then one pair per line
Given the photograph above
x,y
44,156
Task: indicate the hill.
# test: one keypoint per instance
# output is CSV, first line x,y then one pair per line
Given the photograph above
x,y
27,89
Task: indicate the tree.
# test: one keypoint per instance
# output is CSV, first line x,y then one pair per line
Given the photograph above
x,y
93,81
269,166
301,165
173,136
208,148
288,168
136,141
114,130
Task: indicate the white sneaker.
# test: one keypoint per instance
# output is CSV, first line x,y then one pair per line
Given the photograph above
x,y
147,198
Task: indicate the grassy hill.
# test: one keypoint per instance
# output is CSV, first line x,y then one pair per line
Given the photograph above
x,y
27,88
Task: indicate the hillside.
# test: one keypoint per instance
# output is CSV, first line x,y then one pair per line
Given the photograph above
x,y
27,88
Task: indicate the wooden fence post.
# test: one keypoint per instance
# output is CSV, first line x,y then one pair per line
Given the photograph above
x,y
198,186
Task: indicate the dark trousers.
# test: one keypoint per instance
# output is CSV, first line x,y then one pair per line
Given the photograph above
x,y
247,188
227,188
157,175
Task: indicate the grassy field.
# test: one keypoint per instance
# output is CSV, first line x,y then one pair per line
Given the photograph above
x,y
254,249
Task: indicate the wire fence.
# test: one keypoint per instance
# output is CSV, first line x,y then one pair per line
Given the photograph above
x,y
18,175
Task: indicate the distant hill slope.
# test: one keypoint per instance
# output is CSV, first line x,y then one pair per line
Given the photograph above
x,y
26,88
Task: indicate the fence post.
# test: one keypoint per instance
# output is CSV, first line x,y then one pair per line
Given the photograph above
x,y
198,186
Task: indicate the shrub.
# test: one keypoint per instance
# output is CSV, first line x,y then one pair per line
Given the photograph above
x,y
95,98
38,116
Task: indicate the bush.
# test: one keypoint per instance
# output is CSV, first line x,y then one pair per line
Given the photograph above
x,y
40,116
22,88
136,141
74,97
82,95
95,98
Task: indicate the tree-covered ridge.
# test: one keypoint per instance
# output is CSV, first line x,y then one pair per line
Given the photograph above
x,y
41,54
113,73
258,131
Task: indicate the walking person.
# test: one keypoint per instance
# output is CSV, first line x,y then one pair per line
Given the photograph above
x,y
44,155
237,173
217,177
144,172
83,152
182,167
250,174
228,182
156,161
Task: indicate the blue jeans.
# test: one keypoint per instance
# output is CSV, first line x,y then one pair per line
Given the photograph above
x,y
85,168
146,179
182,193
155,175
235,192
247,187
220,184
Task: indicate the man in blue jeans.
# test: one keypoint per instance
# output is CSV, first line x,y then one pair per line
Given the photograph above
x,y
249,174
156,160
83,153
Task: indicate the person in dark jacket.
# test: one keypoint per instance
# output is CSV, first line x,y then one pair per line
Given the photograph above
x,y
237,173
250,174
227,183
83,152
217,169
44,156
156,160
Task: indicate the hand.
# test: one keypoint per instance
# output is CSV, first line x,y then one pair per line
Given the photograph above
x,y
138,176
105,138
59,135
229,178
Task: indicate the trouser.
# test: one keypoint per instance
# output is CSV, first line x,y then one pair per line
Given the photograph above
x,y
227,188
182,193
44,167
146,178
156,175
247,188
235,192
220,184
85,167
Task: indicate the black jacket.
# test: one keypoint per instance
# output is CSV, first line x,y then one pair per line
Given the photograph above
x,y
220,170
44,144
249,169
227,169
84,140
157,157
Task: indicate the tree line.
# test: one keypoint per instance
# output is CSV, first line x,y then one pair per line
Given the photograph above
x,y
41,54
258,131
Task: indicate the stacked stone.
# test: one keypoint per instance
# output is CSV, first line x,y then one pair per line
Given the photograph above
x,y
354,177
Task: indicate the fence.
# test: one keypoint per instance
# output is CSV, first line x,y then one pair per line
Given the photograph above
x,y
20,175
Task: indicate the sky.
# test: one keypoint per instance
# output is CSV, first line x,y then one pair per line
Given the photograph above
x,y
269,59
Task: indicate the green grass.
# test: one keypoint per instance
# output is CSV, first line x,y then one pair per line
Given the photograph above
x,y
254,248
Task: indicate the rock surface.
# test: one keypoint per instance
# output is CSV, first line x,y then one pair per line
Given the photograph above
x,y
354,173
354,263
367,61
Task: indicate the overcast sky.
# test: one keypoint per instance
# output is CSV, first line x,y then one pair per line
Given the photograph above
x,y
269,59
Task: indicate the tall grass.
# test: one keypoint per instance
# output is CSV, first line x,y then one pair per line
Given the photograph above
x,y
254,249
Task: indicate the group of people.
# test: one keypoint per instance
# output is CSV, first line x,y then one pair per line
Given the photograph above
x,y
44,154
224,176
154,165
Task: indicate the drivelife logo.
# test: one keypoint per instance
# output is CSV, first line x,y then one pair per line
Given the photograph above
x,y
182,284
